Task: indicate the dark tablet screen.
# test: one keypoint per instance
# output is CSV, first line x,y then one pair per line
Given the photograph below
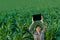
x,y
37,17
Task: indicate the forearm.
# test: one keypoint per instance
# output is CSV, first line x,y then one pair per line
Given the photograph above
x,y
45,27
30,27
43,24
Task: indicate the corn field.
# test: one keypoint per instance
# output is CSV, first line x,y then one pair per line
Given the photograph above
x,y
14,24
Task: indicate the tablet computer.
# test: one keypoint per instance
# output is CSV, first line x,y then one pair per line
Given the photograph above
x,y
37,17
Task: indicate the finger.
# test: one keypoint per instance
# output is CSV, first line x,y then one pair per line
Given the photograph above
x,y
42,17
32,18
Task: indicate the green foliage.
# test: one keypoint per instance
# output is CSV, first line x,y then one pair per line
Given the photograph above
x,y
14,24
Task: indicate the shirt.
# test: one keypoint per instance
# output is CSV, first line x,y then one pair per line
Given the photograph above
x,y
37,36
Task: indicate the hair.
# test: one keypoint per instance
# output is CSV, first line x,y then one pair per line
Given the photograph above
x,y
37,26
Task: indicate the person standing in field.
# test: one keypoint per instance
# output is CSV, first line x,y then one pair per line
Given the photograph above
x,y
38,34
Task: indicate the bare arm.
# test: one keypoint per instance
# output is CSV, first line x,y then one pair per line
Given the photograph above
x,y
44,29
30,28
